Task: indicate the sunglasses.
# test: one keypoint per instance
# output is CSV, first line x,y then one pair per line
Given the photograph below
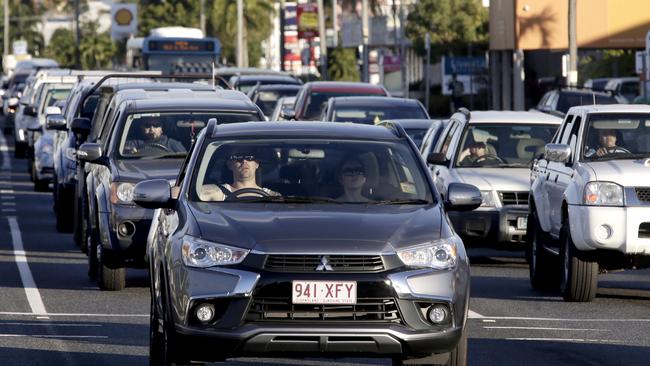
x,y
241,158
351,171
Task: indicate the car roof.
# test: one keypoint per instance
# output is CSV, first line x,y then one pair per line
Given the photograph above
x,y
586,91
512,117
200,101
263,87
344,86
415,123
611,108
246,70
151,84
265,77
370,101
319,130
167,95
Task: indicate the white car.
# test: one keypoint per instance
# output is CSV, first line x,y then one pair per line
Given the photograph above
x,y
492,150
590,204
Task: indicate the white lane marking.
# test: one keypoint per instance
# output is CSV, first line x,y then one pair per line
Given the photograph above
x,y
4,150
580,340
474,315
6,197
33,295
48,324
7,191
565,320
9,203
49,336
15,313
547,328
6,209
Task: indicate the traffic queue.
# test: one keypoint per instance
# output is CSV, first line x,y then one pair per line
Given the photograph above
x,y
323,218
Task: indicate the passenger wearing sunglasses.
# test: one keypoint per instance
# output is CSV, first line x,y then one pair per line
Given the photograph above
x,y
244,166
153,139
352,177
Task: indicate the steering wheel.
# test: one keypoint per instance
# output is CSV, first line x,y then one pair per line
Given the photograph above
x,y
618,150
487,157
246,191
157,145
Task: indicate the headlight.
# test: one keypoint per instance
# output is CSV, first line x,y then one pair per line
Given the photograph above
x,y
122,193
202,253
603,194
439,254
70,153
488,199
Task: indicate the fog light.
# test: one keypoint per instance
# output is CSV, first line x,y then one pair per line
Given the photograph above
x,y
438,314
205,312
604,232
126,228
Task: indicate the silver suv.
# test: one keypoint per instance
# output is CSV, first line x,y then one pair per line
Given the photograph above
x,y
590,199
492,150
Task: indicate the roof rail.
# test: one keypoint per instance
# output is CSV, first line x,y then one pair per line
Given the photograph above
x,y
397,129
465,112
211,129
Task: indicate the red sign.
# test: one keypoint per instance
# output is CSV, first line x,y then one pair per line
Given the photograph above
x,y
307,15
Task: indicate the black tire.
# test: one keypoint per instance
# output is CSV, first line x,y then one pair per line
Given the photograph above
x,y
543,268
111,279
77,234
7,130
64,219
19,150
55,196
579,281
41,185
93,262
85,230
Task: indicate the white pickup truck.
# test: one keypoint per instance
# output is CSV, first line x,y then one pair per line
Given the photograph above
x,y
590,200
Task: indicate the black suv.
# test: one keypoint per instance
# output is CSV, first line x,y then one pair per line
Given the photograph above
x,y
307,238
147,136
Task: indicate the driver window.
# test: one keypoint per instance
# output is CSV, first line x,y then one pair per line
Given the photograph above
x,y
568,128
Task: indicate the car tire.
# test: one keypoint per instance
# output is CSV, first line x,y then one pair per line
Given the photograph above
x,y
93,261
63,216
85,227
110,279
40,185
77,222
579,281
542,266
19,150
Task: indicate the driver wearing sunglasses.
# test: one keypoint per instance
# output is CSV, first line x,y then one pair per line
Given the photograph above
x,y
352,177
153,138
244,166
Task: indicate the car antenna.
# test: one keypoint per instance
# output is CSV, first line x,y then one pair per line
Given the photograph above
x,y
593,95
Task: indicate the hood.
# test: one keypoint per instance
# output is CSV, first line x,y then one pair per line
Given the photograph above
x,y
142,169
499,179
628,173
317,229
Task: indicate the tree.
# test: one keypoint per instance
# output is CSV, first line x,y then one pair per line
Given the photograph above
x,y
24,25
62,47
167,13
97,49
342,65
257,23
452,25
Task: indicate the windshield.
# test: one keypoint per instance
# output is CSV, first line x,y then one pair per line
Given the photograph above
x,y
503,145
372,115
568,100
310,171
417,135
617,136
56,93
318,100
267,99
168,135
180,63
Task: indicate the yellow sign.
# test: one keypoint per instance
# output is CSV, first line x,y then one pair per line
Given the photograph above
x,y
123,17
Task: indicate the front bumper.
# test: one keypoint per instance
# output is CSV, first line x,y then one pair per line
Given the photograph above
x,y
493,225
255,314
629,226
123,234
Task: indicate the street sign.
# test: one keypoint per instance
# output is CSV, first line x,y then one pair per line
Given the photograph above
x,y
307,20
378,30
351,32
19,47
468,71
124,20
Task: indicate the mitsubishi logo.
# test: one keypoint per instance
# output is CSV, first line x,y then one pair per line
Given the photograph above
x,y
324,264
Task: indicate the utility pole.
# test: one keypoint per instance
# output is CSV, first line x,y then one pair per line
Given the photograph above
x,y
240,33
323,39
402,51
572,77
6,30
366,53
283,49
335,23
202,16
77,35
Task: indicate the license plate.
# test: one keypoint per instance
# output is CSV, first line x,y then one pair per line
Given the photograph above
x,y
324,292
522,222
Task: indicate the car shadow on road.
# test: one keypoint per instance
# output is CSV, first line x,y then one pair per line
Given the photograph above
x,y
488,352
504,288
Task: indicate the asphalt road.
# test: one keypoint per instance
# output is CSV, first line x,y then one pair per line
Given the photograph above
x,y
52,314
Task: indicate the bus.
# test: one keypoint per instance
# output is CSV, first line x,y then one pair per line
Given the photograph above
x,y
174,50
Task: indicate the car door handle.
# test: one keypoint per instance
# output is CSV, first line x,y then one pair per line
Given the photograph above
x,y
437,172
557,176
548,175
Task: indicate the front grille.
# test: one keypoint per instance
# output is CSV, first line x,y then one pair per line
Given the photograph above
x,y
513,198
279,309
337,263
644,230
643,193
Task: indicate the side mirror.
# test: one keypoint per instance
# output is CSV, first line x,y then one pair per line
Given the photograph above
x,y
559,153
89,152
55,122
462,197
288,114
12,102
154,193
437,159
30,110
81,125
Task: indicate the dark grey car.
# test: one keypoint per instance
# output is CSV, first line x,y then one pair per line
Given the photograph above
x,y
148,137
339,245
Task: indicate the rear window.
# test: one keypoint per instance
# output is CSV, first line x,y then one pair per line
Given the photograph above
x,y
317,101
568,100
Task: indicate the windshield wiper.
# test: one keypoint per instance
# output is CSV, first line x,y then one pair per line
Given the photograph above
x,y
175,155
513,165
417,201
288,199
